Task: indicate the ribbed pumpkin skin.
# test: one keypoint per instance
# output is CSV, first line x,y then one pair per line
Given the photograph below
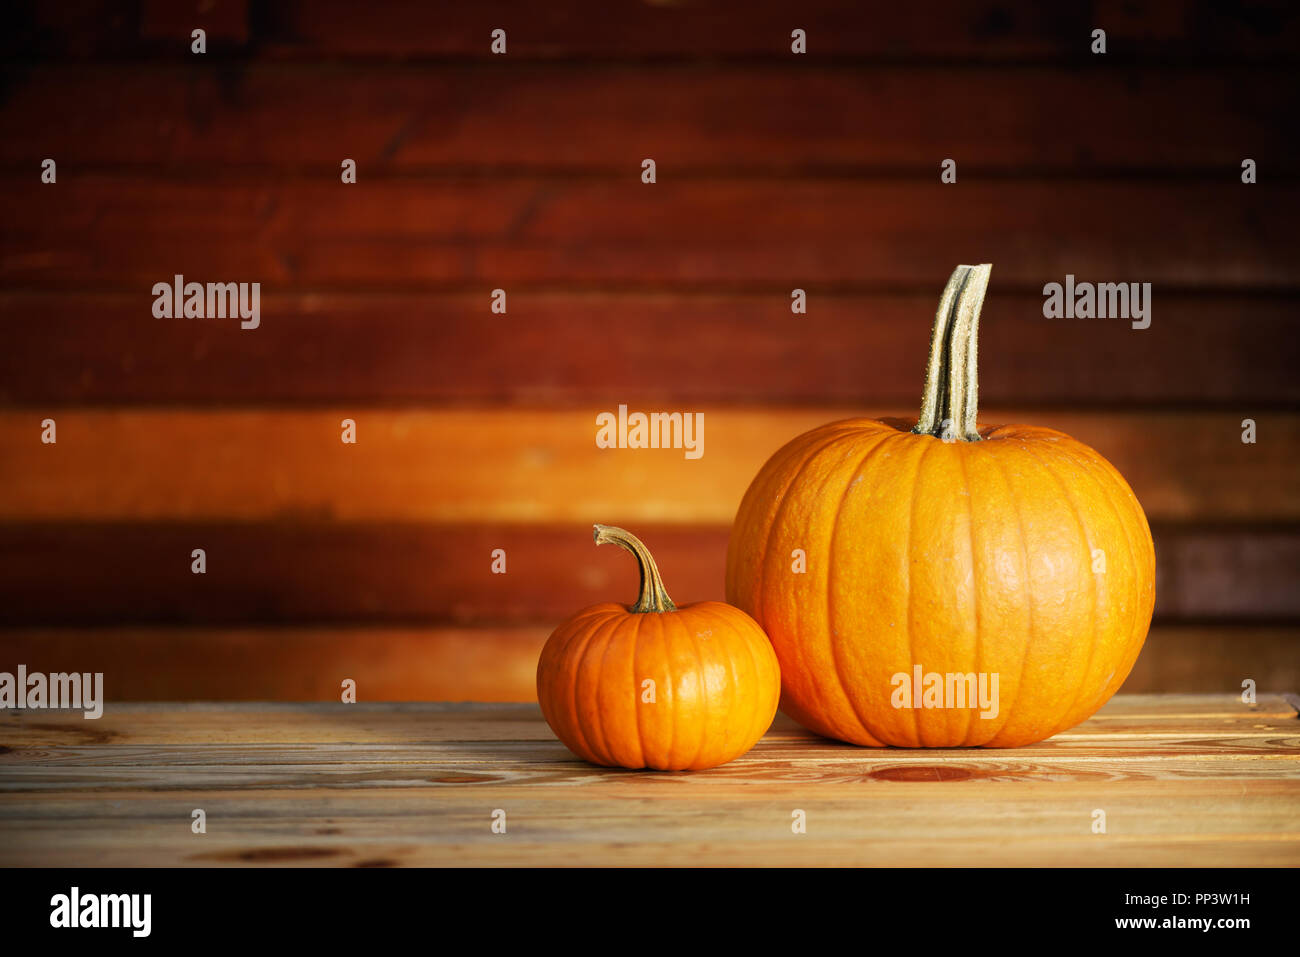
x,y
960,557
716,685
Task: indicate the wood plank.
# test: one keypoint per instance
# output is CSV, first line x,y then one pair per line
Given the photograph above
x,y
296,573
1224,573
1211,659
133,231
266,723
652,346
331,767
411,663
289,836
455,737
975,30
292,664
395,724
1198,778
539,467
736,120
873,851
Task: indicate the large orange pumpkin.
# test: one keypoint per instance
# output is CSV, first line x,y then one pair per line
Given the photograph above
x,y
896,565
654,685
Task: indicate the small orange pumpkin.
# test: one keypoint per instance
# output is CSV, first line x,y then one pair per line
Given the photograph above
x,y
940,554
654,685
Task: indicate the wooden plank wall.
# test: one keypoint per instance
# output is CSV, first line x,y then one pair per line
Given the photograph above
x,y
522,172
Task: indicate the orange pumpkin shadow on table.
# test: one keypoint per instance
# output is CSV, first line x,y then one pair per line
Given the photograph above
x,y
657,686
1011,554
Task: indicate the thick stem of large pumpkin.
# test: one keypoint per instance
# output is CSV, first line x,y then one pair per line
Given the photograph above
x,y
653,596
951,399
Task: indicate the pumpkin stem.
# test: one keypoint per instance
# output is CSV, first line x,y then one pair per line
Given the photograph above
x,y
653,596
951,399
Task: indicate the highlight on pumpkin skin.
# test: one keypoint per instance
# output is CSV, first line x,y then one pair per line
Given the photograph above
x,y
654,685
1008,550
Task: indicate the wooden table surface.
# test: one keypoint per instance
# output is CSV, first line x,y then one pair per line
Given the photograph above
x,y
1184,780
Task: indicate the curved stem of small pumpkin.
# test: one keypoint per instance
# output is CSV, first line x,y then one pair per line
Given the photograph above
x,y
951,400
653,596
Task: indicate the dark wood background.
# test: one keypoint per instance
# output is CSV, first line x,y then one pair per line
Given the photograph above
x,y
522,172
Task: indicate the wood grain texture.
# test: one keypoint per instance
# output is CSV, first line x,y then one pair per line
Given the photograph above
x,y
972,31
736,120
569,347
1126,717
296,573
532,466
131,231
493,663
1184,780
